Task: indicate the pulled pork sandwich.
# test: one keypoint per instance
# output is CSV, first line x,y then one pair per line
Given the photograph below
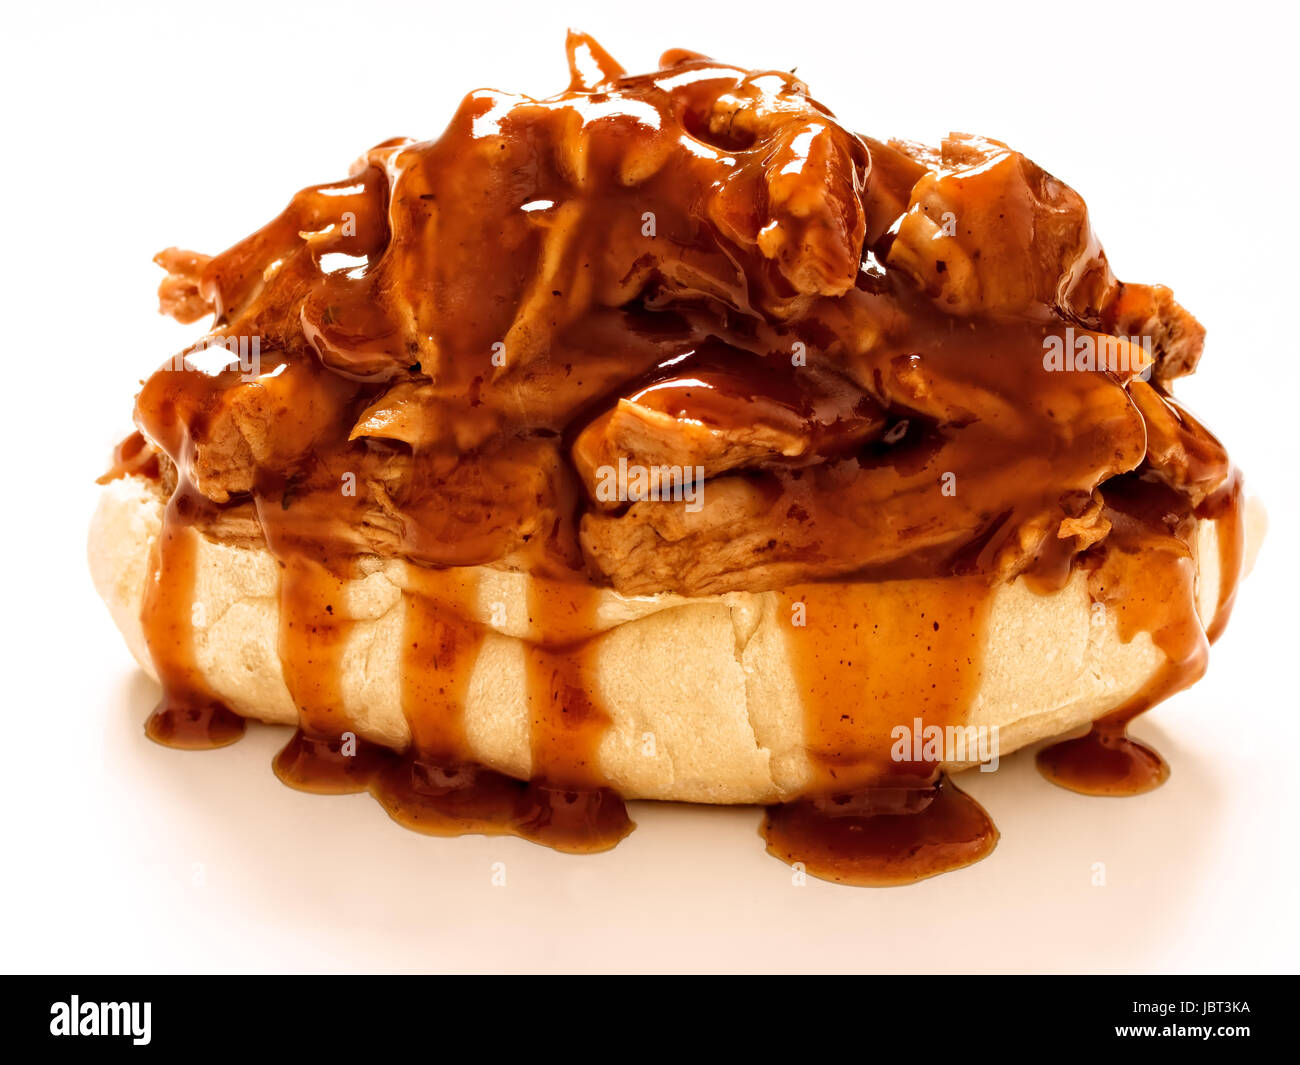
x,y
665,439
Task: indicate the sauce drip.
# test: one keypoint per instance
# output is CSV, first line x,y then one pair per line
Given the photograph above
x,y
1150,580
568,793
325,755
438,789
189,716
869,659
1105,760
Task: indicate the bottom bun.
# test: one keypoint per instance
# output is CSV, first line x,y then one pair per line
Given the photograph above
x,y
711,680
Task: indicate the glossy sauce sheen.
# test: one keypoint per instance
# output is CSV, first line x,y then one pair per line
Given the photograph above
x,y
913,649
697,268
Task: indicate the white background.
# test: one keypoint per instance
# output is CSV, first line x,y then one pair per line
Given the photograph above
x,y
131,128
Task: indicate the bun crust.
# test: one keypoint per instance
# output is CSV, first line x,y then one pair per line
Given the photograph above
x,y
703,698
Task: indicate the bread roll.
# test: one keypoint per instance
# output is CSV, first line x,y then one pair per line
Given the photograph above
x,y
727,720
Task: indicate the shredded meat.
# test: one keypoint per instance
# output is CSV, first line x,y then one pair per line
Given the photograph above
x,y
838,340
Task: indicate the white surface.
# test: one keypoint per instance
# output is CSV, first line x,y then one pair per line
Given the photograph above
x,y
127,131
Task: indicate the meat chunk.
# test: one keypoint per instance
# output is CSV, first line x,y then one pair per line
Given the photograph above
x,y
732,542
421,416
483,508
179,294
797,196
987,231
240,424
651,439
991,232
707,421
1150,311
